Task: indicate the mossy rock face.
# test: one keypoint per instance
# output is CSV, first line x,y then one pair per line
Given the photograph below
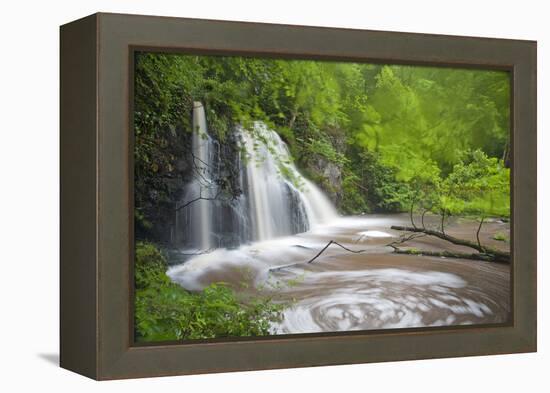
x,y
327,175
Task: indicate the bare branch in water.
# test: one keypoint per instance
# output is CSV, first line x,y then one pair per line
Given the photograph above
x,y
404,239
203,173
317,256
339,245
199,198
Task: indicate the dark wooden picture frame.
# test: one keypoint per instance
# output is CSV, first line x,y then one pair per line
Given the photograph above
x,y
97,194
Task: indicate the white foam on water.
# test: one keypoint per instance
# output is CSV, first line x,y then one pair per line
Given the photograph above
x,y
259,257
328,299
256,258
378,299
374,234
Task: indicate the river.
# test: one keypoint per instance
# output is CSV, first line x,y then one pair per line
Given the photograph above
x,y
374,289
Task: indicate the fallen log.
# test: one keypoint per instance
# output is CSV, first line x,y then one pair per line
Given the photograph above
x,y
452,254
491,253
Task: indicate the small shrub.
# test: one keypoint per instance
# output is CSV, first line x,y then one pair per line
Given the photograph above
x,y
164,311
500,237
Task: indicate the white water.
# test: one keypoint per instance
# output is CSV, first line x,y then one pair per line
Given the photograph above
x,y
280,197
199,216
341,291
276,199
258,258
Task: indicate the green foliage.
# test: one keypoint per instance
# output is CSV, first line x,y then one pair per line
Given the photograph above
x,y
164,87
150,266
397,132
354,201
404,138
436,113
286,172
165,311
422,187
478,185
374,182
502,237
324,148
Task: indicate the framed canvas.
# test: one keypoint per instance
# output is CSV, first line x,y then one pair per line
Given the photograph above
x,y
242,196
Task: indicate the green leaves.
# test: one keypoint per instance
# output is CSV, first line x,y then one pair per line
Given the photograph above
x,y
417,121
436,113
401,137
478,185
165,311
325,149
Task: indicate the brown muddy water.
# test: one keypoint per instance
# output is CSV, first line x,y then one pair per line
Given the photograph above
x,y
375,289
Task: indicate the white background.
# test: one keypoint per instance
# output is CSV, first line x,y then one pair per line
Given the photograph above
x,y
29,165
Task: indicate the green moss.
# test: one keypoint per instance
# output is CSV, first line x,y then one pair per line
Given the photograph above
x,y
501,237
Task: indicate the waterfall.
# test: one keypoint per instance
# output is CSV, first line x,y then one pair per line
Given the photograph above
x,y
199,217
275,200
282,201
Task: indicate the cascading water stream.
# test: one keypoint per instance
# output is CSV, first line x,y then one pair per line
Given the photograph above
x,y
276,199
200,214
282,201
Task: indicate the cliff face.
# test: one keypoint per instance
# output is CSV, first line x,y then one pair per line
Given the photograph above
x,y
163,189
159,183
160,187
325,172
328,176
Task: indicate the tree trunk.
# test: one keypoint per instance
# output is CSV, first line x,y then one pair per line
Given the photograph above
x,y
411,214
506,155
478,230
292,118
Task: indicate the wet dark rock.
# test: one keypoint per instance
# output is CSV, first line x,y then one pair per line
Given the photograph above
x,y
329,177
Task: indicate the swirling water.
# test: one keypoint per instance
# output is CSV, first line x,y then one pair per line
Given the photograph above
x,y
342,291
282,220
